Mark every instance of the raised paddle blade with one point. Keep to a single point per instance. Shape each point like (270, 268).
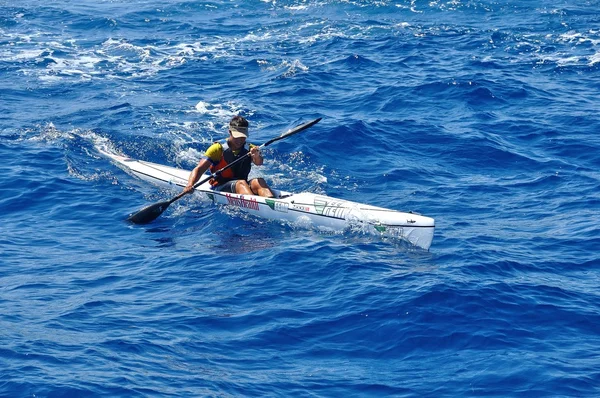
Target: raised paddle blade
(149, 213)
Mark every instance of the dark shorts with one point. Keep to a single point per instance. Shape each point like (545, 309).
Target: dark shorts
(229, 187)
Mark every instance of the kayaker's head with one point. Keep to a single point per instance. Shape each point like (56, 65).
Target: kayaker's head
(238, 131)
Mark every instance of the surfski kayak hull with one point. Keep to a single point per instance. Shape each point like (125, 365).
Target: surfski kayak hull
(298, 208)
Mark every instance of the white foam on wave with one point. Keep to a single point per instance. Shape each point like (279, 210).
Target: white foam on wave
(24, 55)
(47, 133)
(289, 68)
(574, 48)
(569, 49)
(197, 51)
(189, 156)
(222, 113)
(294, 172)
(72, 59)
(87, 141)
(219, 111)
(124, 48)
(81, 147)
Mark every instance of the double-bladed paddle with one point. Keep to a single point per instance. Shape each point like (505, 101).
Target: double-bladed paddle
(152, 212)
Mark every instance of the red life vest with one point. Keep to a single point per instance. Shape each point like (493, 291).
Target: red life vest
(238, 171)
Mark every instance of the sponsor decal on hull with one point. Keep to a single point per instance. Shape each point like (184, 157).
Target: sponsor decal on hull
(334, 208)
(390, 231)
(277, 205)
(303, 208)
(251, 203)
(320, 205)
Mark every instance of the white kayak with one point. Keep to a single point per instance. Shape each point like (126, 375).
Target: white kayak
(297, 208)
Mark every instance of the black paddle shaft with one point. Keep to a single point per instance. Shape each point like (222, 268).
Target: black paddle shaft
(152, 212)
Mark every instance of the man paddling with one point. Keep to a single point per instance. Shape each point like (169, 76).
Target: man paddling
(235, 178)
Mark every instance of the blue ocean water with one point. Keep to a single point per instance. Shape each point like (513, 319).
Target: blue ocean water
(481, 114)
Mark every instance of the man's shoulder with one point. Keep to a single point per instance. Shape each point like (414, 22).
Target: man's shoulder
(215, 151)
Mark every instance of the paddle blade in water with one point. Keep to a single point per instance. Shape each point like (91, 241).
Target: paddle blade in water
(149, 213)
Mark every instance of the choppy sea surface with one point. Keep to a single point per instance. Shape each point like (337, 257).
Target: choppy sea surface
(480, 114)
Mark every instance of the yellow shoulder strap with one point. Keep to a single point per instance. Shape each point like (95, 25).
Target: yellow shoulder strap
(214, 152)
